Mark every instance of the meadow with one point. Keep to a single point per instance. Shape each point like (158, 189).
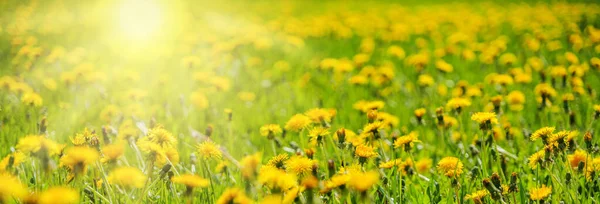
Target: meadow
(150, 101)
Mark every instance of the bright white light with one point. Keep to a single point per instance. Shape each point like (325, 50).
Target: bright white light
(140, 19)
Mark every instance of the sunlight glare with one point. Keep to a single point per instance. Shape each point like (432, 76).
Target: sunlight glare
(140, 19)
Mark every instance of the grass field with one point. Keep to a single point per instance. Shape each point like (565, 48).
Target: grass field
(155, 101)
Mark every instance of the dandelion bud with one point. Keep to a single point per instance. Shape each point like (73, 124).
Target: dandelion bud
(229, 114)
(372, 115)
(43, 125)
(474, 172)
(419, 114)
(474, 150)
(494, 192)
(209, 130)
(331, 167)
(572, 120)
(440, 115)
(580, 166)
(496, 180)
(513, 183)
(315, 166)
(165, 169)
(568, 178)
(496, 101)
(341, 134)
(587, 137)
(105, 135)
(310, 182)
(309, 152)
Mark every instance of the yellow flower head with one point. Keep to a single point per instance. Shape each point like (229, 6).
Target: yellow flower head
(423, 165)
(545, 89)
(450, 167)
(11, 188)
(59, 194)
(485, 117)
(77, 158)
(536, 159)
(275, 178)
(112, 152)
(299, 165)
(320, 115)
(363, 181)
(278, 161)
(38, 143)
(515, 99)
(127, 177)
(316, 134)
(270, 130)
(580, 156)
(365, 151)
(191, 181)
(406, 141)
(32, 99)
(209, 150)
(12, 160)
(543, 133)
(390, 164)
(477, 196)
(234, 195)
(458, 103)
(420, 112)
(249, 164)
(298, 122)
(540, 193)
(162, 137)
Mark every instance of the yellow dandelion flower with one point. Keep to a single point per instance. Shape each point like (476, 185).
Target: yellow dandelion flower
(545, 90)
(542, 133)
(423, 165)
(485, 117)
(477, 196)
(249, 165)
(162, 137)
(458, 103)
(450, 167)
(278, 161)
(299, 165)
(363, 181)
(209, 150)
(275, 178)
(536, 159)
(37, 143)
(59, 194)
(515, 99)
(365, 151)
(579, 156)
(32, 99)
(11, 188)
(191, 181)
(540, 193)
(425, 80)
(317, 134)
(12, 160)
(127, 177)
(298, 122)
(78, 158)
(112, 152)
(319, 115)
(406, 141)
(390, 164)
(233, 195)
(270, 130)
